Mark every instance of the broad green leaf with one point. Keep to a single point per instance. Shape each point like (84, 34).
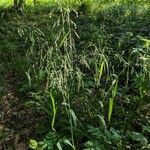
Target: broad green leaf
(147, 129)
(89, 144)
(146, 147)
(33, 144)
(136, 136)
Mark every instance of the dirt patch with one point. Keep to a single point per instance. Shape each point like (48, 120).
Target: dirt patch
(17, 122)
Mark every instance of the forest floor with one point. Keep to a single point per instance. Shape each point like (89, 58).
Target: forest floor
(16, 122)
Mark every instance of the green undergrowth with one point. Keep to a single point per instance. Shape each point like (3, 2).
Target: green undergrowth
(87, 66)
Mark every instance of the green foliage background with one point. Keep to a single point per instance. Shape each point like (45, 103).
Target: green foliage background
(85, 65)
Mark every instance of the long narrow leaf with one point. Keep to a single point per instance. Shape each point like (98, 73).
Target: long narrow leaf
(54, 111)
(101, 69)
(111, 102)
